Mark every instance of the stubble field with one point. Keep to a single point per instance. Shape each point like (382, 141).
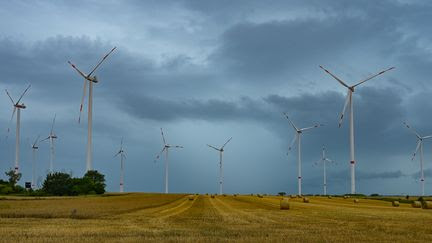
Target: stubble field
(139, 217)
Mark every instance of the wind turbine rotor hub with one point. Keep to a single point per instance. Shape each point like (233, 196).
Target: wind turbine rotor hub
(22, 106)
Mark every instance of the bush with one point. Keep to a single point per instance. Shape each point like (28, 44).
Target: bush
(63, 184)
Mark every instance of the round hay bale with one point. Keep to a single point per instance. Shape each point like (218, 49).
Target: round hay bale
(345, 197)
(356, 200)
(293, 196)
(212, 196)
(259, 195)
(416, 204)
(224, 195)
(299, 196)
(395, 203)
(284, 204)
(191, 197)
(306, 200)
(329, 197)
(427, 204)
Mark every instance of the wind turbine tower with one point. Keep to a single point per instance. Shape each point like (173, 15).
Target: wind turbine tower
(122, 154)
(165, 149)
(17, 108)
(51, 138)
(349, 101)
(221, 150)
(34, 146)
(324, 160)
(90, 80)
(297, 137)
(419, 148)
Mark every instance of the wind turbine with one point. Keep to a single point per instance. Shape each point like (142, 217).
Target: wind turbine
(419, 147)
(297, 138)
(17, 108)
(90, 79)
(165, 148)
(349, 101)
(122, 154)
(51, 138)
(221, 150)
(323, 160)
(34, 146)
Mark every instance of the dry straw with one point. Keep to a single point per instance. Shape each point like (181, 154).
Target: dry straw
(212, 196)
(427, 204)
(416, 204)
(293, 196)
(284, 204)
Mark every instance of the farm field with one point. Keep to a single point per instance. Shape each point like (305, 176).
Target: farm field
(146, 217)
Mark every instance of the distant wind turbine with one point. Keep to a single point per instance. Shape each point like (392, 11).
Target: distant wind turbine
(122, 154)
(221, 150)
(297, 138)
(349, 101)
(420, 140)
(323, 160)
(165, 148)
(90, 79)
(34, 146)
(17, 108)
(51, 138)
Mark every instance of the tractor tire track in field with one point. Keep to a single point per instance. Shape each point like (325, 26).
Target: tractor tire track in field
(236, 211)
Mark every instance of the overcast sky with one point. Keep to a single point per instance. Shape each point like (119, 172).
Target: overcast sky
(209, 70)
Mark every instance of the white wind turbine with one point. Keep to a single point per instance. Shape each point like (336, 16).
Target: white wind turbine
(122, 154)
(349, 100)
(297, 138)
(165, 148)
(51, 138)
(90, 79)
(221, 150)
(34, 146)
(420, 140)
(17, 108)
(324, 160)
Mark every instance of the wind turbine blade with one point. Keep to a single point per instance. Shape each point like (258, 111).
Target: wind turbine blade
(22, 95)
(412, 129)
(124, 154)
(82, 100)
(103, 59)
(226, 142)
(329, 160)
(347, 100)
(178, 146)
(308, 128)
(45, 139)
(295, 128)
(12, 117)
(416, 150)
(426, 137)
(36, 141)
(121, 144)
(292, 142)
(81, 73)
(163, 137)
(13, 103)
(159, 154)
(338, 79)
(115, 155)
(213, 147)
(52, 126)
(373, 76)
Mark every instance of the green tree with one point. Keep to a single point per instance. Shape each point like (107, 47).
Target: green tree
(96, 181)
(58, 183)
(13, 177)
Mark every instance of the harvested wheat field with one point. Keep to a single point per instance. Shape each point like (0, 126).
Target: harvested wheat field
(178, 217)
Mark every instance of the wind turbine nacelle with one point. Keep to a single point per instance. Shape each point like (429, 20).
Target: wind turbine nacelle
(22, 106)
(53, 136)
(95, 79)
